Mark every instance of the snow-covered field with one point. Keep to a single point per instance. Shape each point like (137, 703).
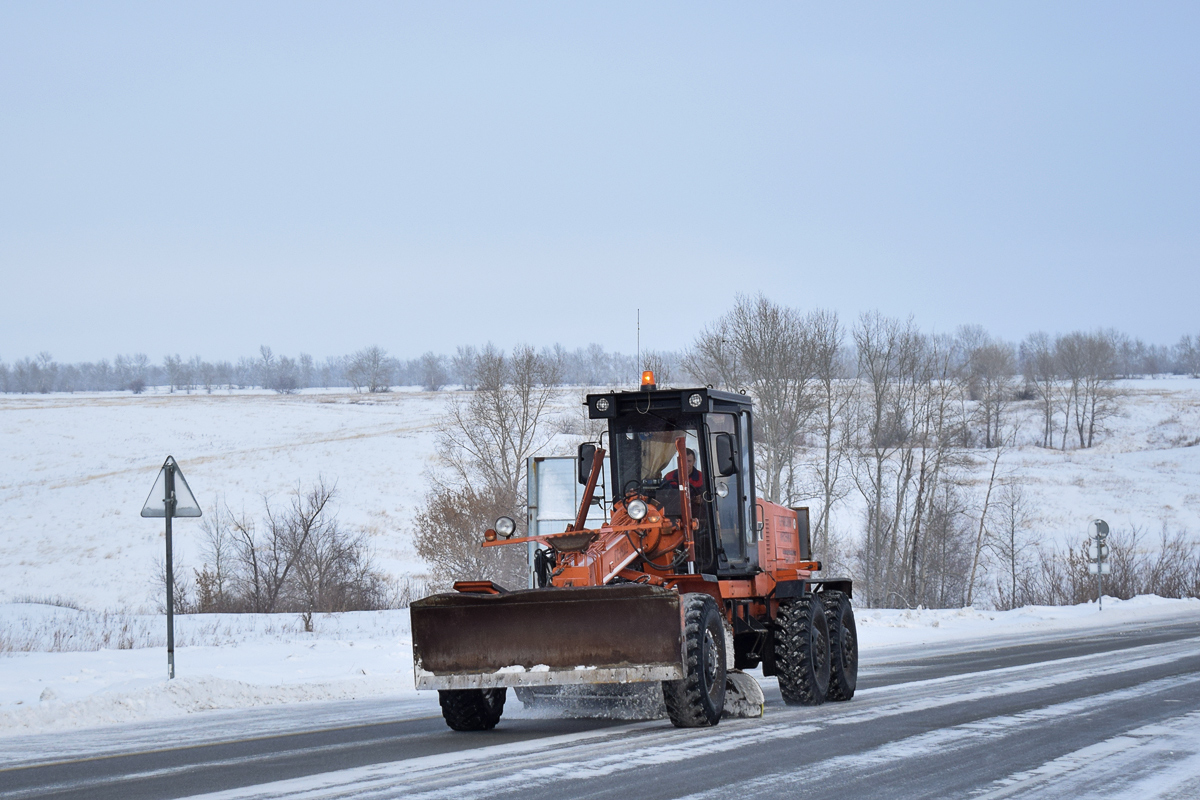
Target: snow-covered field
(241, 661)
(76, 469)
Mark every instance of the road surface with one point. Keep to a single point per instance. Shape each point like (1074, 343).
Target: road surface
(1114, 714)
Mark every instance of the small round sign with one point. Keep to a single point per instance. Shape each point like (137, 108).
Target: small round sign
(1100, 529)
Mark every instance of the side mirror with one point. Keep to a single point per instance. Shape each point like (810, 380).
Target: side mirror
(587, 454)
(726, 455)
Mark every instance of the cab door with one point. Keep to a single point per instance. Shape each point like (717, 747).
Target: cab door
(728, 497)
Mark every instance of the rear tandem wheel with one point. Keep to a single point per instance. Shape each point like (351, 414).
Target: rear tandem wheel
(802, 651)
(843, 646)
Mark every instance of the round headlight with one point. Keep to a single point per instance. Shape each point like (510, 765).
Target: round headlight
(695, 400)
(637, 509)
(505, 527)
(602, 404)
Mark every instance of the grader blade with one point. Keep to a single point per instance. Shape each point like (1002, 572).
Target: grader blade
(546, 637)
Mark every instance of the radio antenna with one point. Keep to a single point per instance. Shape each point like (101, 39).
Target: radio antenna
(639, 340)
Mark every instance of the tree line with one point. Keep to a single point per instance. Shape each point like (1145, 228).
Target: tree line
(372, 369)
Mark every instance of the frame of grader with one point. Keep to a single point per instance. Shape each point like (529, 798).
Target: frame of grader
(690, 580)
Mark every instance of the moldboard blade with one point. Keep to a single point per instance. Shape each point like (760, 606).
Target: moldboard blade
(599, 634)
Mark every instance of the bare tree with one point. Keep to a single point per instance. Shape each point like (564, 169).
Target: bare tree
(214, 580)
(370, 369)
(334, 571)
(833, 392)
(433, 372)
(265, 367)
(713, 357)
(487, 437)
(1010, 542)
(285, 378)
(1187, 355)
(485, 441)
(904, 422)
(883, 345)
(1088, 363)
(266, 559)
(764, 348)
(173, 365)
(463, 365)
(1040, 368)
(991, 366)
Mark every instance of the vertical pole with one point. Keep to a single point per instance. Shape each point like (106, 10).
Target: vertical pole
(531, 511)
(1100, 572)
(169, 504)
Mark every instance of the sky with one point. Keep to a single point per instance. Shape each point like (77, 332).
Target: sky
(206, 178)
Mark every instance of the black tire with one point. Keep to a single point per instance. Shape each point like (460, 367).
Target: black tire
(698, 700)
(472, 709)
(802, 652)
(843, 646)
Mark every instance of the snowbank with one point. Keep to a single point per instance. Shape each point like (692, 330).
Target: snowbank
(880, 629)
(221, 661)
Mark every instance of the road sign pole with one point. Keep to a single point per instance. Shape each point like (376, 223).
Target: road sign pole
(1100, 572)
(169, 509)
(171, 497)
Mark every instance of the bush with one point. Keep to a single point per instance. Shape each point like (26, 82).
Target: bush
(1172, 569)
(294, 559)
(449, 533)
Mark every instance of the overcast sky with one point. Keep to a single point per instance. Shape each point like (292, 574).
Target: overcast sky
(203, 178)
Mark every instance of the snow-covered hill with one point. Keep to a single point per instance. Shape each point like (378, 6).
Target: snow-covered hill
(76, 469)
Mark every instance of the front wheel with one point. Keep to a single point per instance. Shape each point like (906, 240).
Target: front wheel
(472, 709)
(698, 700)
(802, 652)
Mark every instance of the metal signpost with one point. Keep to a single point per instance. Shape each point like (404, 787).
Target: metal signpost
(170, 497)
(1098, 557)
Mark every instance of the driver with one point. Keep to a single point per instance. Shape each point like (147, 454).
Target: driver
(695, 479)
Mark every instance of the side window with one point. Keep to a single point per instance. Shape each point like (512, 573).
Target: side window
(747, 468)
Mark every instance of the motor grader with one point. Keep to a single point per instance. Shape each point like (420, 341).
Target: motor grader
(690, 579)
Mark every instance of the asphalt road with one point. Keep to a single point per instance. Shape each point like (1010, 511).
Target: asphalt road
(1103, 715)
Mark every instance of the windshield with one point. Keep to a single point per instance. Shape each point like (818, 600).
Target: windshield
(647, 456)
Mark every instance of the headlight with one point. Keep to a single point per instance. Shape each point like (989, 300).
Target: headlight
(695, 400)
(637, 510)
(505, 527)
(602, 404)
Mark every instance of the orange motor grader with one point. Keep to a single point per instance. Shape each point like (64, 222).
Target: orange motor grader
(691, 578)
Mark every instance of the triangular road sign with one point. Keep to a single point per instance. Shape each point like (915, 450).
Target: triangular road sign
(185, 501)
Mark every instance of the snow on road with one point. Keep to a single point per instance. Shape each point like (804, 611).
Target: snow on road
(1161, 760)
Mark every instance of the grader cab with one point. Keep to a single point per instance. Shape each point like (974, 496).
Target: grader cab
(690, 579)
